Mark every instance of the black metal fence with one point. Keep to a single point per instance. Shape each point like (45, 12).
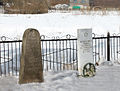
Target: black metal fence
(57, 54)
(10, 57)
(106, 47)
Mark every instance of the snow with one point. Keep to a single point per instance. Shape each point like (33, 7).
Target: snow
(56, 24)
(107, 79)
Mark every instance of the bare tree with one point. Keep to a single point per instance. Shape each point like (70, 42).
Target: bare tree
(28, 6)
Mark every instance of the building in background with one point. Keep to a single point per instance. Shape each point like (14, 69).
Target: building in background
(79, 2)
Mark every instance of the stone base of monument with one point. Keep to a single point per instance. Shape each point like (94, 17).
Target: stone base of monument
(30, 81)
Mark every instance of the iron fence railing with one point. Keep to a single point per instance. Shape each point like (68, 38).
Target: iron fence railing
(57, 54)
(10, 57)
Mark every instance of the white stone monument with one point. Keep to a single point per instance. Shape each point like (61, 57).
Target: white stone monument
(85, 51)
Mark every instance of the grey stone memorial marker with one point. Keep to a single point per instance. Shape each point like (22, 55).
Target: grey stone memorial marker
(31, 69)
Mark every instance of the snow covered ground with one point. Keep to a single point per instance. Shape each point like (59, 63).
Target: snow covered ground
(53, 24)
(107, 79)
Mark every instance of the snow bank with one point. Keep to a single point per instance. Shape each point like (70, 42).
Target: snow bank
(106, 79)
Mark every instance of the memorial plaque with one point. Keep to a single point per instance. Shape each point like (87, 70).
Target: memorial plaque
(85, 52)
(31, 69)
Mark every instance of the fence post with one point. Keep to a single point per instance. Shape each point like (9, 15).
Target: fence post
(108, 46)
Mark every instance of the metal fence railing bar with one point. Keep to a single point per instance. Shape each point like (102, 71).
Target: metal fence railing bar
(57, 54)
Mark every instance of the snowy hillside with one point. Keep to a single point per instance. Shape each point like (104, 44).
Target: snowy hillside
(58, 23)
